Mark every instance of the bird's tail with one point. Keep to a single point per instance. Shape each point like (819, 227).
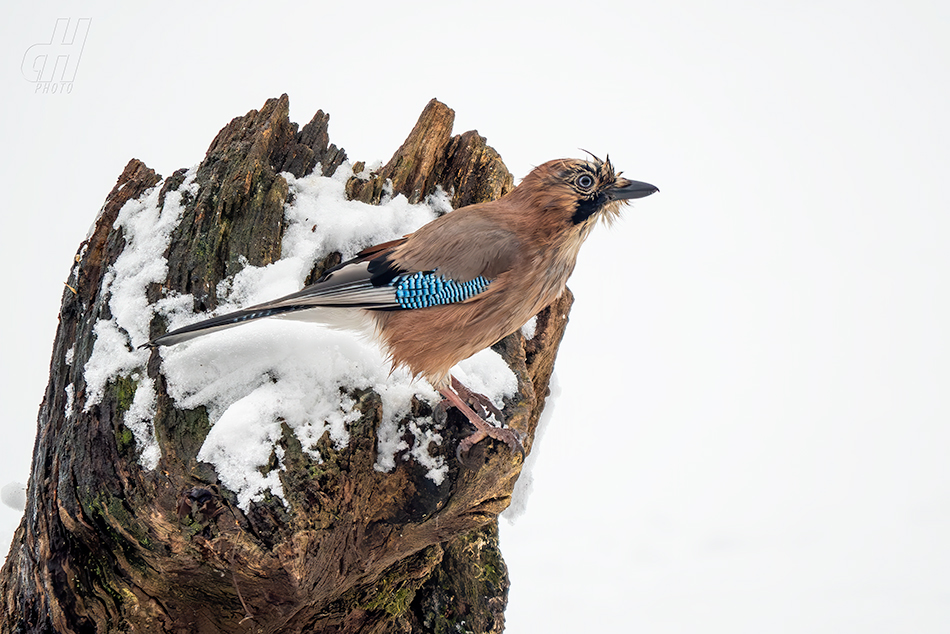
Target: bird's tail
(221, 322)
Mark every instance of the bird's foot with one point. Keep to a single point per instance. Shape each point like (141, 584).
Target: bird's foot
(480, 403)
(506, 435)
(483, 429)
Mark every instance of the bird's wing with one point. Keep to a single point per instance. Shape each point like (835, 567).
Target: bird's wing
(442, 263)
(387, 277)
(461, 245)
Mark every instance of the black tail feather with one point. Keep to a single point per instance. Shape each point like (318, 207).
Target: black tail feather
(219, 323)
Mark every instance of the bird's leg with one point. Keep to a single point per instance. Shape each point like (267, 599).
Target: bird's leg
(483, 428)
(479, 402)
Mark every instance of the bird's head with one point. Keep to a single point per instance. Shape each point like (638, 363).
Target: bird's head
(579, 192)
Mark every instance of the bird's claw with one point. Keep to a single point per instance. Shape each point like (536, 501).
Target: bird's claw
(478, 402)
(460, 398)
(506, 435)
(483, 405)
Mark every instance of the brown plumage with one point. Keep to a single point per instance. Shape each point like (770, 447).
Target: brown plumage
(519, 251)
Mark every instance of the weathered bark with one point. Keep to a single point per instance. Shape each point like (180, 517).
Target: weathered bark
(106, 545)
(464, 165)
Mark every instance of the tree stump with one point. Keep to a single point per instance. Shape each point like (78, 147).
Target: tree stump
(110, 542)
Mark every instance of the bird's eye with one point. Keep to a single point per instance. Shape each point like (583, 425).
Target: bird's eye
(584, 181)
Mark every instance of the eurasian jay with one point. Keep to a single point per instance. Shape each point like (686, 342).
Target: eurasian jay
(463, 281)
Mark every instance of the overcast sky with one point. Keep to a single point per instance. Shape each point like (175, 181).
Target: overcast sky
(752, 433)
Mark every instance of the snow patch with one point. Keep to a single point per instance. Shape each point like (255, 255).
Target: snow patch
(530, 328)
(487, 373)
(425, 436)
(147, 229)
(70, 401)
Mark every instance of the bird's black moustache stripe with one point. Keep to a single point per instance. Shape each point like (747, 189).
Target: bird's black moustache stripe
(587, 207)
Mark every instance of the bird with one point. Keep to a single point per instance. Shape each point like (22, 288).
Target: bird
(460, 283)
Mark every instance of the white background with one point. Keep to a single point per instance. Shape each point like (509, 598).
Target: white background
(753, 428)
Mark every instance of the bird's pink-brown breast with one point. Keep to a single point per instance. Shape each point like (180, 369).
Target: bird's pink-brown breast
(517, 243)
(432, 340)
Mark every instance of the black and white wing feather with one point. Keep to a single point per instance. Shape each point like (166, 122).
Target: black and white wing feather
(349, 285)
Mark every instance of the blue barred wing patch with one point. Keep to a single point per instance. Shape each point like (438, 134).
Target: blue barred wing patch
(428, 288)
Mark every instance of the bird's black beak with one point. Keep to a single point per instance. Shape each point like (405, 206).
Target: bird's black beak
(625, 189)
